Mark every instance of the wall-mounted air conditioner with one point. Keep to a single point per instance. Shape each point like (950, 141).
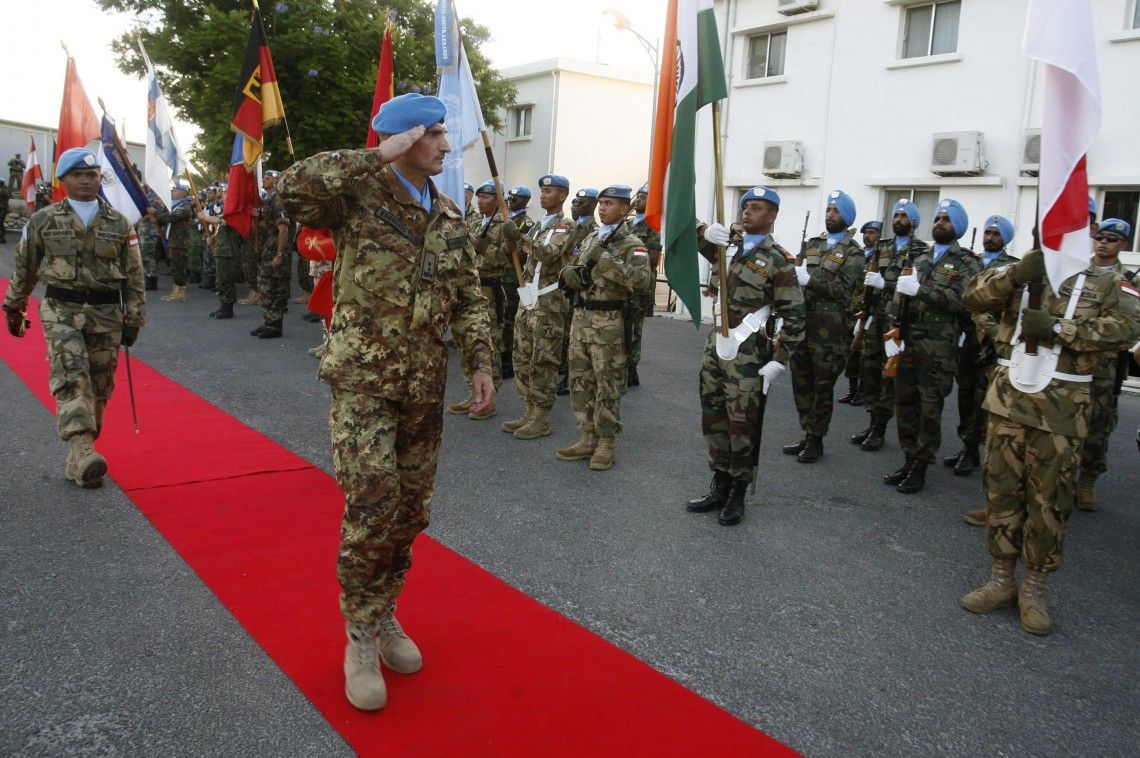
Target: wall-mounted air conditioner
(957, 154)
(783, 160)
(792, 7)
(1031, 152)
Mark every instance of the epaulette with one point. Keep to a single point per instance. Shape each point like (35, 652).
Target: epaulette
(787, 256)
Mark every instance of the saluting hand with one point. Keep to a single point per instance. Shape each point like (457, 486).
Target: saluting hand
(398, 144)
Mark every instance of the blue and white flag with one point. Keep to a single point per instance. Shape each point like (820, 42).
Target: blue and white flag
(164, 161)
(464, 119)
(121, 185)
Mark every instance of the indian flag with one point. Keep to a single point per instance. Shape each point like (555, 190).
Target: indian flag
(692, 76)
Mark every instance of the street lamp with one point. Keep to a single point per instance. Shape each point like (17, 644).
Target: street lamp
(621, 23)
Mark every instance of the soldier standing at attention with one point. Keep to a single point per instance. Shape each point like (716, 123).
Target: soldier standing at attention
(472, 208)
(872, 231)
(88, 256)
(539, 329)
(151, 231)
(612, 266)
(491, 241)
(879, 390)
(404, 273)
(929, 344)
(643, 304)
(276, 260)
(582, 211)
(827, 272)
(1033, 439)
(517, 200)
(761, 275)
(16, 168)
(181, 218)
(227, 259)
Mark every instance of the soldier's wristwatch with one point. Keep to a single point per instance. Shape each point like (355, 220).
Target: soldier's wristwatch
(1057, 328)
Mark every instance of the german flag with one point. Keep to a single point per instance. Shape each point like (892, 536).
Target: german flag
(257, 103)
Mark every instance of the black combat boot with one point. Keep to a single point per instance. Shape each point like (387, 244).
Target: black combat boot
(915, 480)
(272, 330)
(257, 331)
(798, 447)
(852, 391)
(952, 460)
(225, 310)
(718, 494)
(876, 438)
(151, 282)
(967, 461)
(563, 384)
(207, 283)
(858, 399)
(857, 439)
(733, 511)
(631, 377)
(896, 477)
(812, 450)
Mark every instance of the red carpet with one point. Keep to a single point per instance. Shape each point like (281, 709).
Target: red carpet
(503, 674)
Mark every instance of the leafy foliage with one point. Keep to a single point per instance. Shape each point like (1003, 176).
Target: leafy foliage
(325, 53)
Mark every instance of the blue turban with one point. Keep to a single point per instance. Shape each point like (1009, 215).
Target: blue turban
(520, 191)
(407, 111)
(554, 180)
(617, 192)
(911, 211)
(1116, 226)
(760, 193)
(587, 192)
(644, 190)
(1003, 225)
(76, 157)
(872, 225)
(488, 188)
(844, 204)
(957, 214)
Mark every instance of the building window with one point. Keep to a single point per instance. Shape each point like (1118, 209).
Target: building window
(766, 55)
(931, 29)
(520, 121)
(1124, 205)
(925, 199)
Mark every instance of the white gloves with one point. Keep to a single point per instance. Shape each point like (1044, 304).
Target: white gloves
(717, 234)
(961, 339)
(874, 280)
(893, 347)
(802, 275)
(771, 371)
(908, 285)
(858, 327)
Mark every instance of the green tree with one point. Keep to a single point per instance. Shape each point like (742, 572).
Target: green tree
(325, 52)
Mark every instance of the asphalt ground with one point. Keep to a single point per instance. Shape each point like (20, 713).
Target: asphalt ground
(829, 619)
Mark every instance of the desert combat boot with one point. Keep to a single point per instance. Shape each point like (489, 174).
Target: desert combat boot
(583, 448)
(513, 424)
(396, 648)
(85, 467)
(1000, 591)
(603, 457)
(463, 407)
(1031, 603)
(363, 683)
(537, 426)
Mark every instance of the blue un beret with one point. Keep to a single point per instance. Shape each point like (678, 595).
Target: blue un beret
(844, 204)
(407, 111)
(554, 180)
(911, 211)
(467, 187)
(520, 191)
(617, 192)
(1003, 225)
(587, 192)
(1116, 226)
(76, 157)
(488, 188)
(760, 193)
(957, 214)
(875, 225)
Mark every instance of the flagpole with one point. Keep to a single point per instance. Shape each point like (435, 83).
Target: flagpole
(284, 119)
(718, 194)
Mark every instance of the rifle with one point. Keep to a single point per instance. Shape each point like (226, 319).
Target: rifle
(864, 315)
(803, 240)
(773, 343)
(891, 367)
(973, 238)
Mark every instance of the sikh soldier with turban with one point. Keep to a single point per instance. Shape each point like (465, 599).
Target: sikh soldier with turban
(872, 232)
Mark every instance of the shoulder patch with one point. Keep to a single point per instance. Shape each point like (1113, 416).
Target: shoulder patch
(757, 267)
(1129, 288)
(133, 239)
(639, 251)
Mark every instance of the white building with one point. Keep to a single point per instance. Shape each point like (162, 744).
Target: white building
(853, 93)
(591, 123)
(16, 137)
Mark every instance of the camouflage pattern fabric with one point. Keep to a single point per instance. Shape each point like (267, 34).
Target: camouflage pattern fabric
(249, 258)
(510, 289)
(82, 340)
(178, 240)
(597, 356)
(590, 225)
(732, 392)
(818, 360)
(196, 249)
(853, 368)
(274, 282)
(644, 301)
(150, 229)
(227, 253)
(926, 370)
(491, 257)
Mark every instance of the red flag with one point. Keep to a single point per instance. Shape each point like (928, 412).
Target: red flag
(78, 123)
(384, 90)
(316, 244)
(321, 298)
(32, 174)
(258, 100)
(241, 192)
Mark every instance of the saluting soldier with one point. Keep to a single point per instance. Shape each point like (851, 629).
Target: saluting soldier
(178, 242)
(872, 232)
(761, 275)
(893, 254)
(88, 256)
(827, 272)
(611, 267)
(1037, 422)
(643, 305)
(276, 260)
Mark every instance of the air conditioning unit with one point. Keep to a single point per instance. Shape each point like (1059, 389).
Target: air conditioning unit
(783, 160)
(1031, 152)
(792, 7)
(957, 154)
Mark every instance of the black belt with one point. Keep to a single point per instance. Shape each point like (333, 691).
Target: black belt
(84, 297)
(602, 305)
(489, 281)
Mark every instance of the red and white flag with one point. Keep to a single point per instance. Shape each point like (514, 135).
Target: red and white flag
(32, 174)
(1059, 34)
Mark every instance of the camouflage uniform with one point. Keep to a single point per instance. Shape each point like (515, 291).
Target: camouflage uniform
(402, 276)
(818, 360)
(927, 365)
(591, 225)
(196, 249)
(853, 368)
(274, 282)
(100, 261)
(178, 241)
(1033, 439)
(228, 244)
(511, 294)
(643, 304)
(732, 392)
(597, 356)
(150, 231)
(249, 258)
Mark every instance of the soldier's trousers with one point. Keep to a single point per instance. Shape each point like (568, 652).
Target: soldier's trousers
(972, 385)
(732, 394)
(510, 316)
(597, 382)
(385, 454)
(496, 339)
(924, 380)
(194, 254)
(227, 271)
(538, 349)
(178, 264)
(304, 280)
(878, 391)
(1105, 415)
(815, 366)
(642, 309)
(1030, 478)
(149, 260)
(250, 261)
(274, 282)
(853, 367)
(209, 262)
(83, 351)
